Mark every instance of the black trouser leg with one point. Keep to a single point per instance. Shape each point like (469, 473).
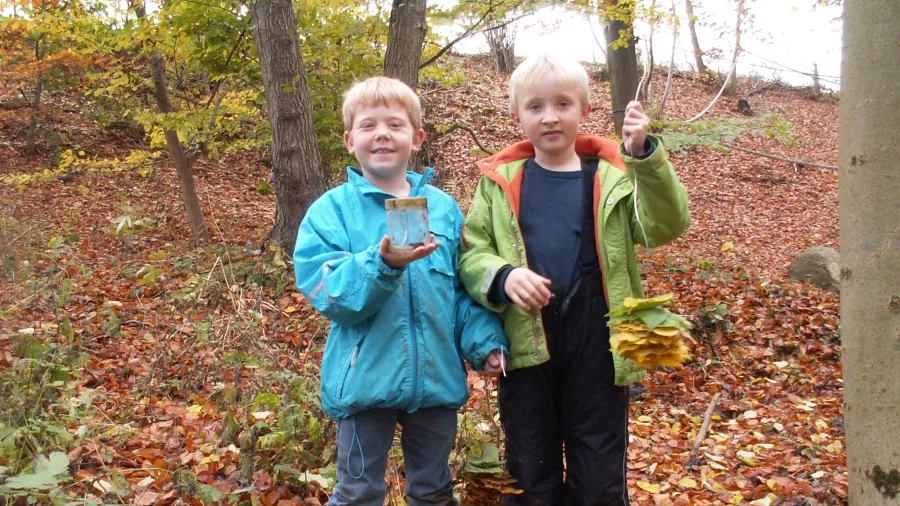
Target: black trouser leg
(594, 414)
(529, 413)
(570, 400)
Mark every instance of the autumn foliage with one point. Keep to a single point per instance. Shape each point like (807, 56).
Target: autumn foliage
(137, 369)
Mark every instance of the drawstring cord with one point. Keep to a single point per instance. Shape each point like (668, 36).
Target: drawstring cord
(362, 458)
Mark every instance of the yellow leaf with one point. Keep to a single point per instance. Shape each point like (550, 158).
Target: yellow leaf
(728, 246)
(653, 488)
(290, 309)
(644, 418)
(765, 501)
(687, 482)
(209, 458)
(194, 409)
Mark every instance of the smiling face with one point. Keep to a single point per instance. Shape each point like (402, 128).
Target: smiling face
(383, 139)
(550, 112)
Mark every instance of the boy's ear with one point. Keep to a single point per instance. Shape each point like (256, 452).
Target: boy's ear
(348, 141)
(515, 118)
(585, 112)
(418, 139)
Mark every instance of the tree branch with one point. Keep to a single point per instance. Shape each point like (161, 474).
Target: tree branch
(469, 32)
(701, 435)
(781, 158)
(714, 100)
(454, 41)
(467, 129)
(219, 81)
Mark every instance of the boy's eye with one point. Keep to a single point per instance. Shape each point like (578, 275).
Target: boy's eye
(564, 104)
(396, 124)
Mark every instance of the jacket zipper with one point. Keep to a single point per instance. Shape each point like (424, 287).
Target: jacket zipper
(601, 220)
(513, 222)
(412, 334)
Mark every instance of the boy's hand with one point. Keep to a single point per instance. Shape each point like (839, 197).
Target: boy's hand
(495, 364)
(634, 129)
(527, 289)
(396, 258)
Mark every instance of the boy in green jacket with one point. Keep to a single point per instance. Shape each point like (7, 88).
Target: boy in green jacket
(549, 245)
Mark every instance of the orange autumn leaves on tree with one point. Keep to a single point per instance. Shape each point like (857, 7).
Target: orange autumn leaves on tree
(37, 38)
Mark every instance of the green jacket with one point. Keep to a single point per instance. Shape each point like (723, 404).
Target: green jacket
(492, 238)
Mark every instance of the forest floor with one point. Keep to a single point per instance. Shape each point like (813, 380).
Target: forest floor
(174, 373)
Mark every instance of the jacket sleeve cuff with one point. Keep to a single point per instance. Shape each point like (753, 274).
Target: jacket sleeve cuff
(648, 149)
(385, 271)
(653, 159)
(497, 295)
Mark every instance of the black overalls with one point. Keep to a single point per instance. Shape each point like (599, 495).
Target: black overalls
(568, 409)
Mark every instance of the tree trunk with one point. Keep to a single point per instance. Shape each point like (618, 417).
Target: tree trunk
(502, 40)
(731, 87)
(300, 177)
(623, 76)
(661, 112)
(817, 87)
(406, 35)
(182, 164)
(31, 139)
(869, 238)
(698, 54)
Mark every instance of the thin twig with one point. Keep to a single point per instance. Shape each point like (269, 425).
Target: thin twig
(701, 435)
(721, 90)
(783, 159)
(467, 129)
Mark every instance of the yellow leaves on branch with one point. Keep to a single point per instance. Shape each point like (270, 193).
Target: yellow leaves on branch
(648, 334)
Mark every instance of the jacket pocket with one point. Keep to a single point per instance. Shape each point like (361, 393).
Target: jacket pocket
(349, 364)
(443, 258)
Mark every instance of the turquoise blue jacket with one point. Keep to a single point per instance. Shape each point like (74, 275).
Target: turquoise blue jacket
(398, 336)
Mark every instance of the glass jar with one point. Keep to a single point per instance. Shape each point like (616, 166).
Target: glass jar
(407, 222)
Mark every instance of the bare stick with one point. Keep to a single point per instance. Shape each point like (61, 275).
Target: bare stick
(722, 89)
(703, 428)
(783, 159)
(467, 129)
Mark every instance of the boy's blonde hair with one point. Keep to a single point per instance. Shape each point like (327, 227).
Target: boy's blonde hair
(381, 90)
(566, 69)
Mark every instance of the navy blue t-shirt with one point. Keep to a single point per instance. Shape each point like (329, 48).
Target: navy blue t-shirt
(550, 216)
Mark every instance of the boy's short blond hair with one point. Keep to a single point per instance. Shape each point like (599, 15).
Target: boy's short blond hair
(381, 90)
(566, 69)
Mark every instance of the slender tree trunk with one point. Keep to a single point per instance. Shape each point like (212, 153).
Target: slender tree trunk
(623, 74)
(182, 164)
(870, 249)
(300, 177)
(817, 87)
(31, 139)
(698, 54)
(406, 34)
(647, 92)
(661, 112)
(502, 40)
(731, 88)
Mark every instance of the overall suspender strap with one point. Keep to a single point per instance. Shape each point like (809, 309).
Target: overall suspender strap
(587, 281)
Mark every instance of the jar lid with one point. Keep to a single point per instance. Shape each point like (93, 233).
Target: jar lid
(406, 203)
